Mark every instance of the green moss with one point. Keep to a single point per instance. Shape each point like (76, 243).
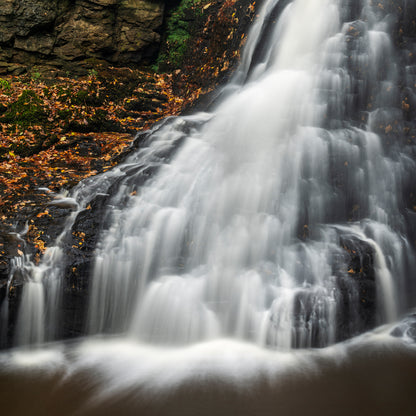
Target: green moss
(92, 73)
(26, 111)
(5, 86)
(178, 34)
(36, 75)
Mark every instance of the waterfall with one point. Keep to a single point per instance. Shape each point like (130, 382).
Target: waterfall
(257, 258)
(239, 234)
(280, 218)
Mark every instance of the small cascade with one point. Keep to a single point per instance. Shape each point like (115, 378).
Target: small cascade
(38, 316)
(16, 264)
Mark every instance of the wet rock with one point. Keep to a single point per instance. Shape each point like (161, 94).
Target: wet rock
(11, 283)
(356, 307)
(79, 249)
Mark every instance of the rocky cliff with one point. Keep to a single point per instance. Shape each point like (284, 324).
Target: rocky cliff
(63, 33)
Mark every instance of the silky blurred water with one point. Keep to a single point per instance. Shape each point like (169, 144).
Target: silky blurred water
(229, 242)
(237, 234)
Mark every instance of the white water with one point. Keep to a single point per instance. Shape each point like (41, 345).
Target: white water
(235, 235)
(240, 230)
(224, 377)
(242, 238)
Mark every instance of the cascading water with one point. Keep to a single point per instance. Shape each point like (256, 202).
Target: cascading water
(241, 231)
(283, 218)
(237, 234)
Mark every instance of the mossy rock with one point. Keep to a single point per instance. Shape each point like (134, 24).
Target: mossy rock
(26, 111)
(178, 33)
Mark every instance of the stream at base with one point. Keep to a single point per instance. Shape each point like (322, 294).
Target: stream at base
(374, 374)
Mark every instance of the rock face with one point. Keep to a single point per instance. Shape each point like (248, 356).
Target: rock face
(65, 32)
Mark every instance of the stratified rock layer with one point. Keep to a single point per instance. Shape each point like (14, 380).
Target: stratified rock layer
(63, 33)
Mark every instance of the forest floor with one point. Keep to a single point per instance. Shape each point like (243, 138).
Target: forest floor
(56, 131)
